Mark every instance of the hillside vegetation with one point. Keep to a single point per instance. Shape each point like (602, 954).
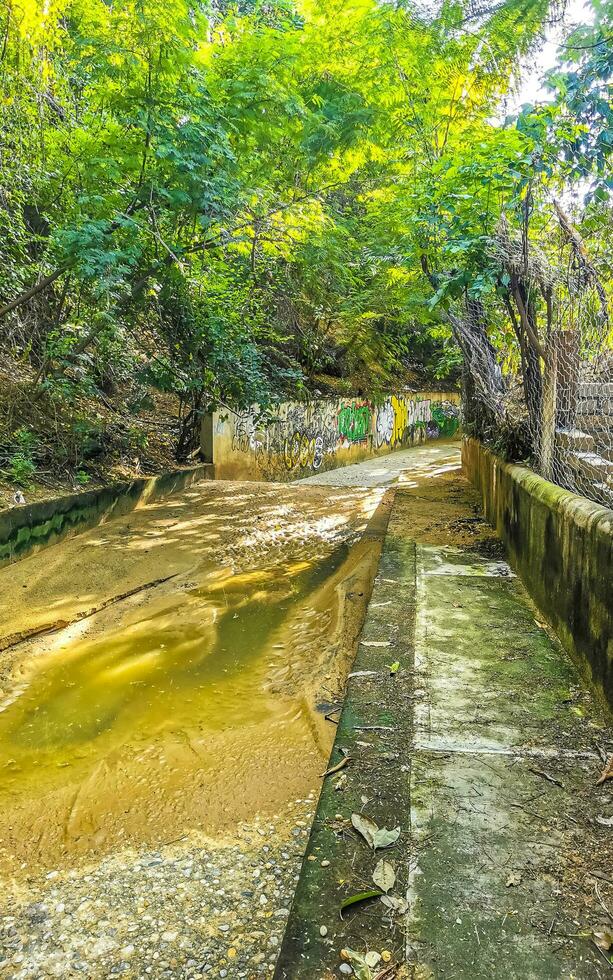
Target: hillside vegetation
(219, 205)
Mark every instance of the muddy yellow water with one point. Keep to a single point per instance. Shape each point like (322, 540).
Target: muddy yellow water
(172, 670)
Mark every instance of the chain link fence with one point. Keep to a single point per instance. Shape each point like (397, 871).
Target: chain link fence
(575, 438)
(543, 392)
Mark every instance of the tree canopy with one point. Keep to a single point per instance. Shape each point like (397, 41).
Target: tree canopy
(233, 204)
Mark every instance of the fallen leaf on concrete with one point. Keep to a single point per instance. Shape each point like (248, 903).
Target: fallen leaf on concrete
(358, 963)
(384, 876)
(360, 897)
(603, 937)
(385, 837)
(607, 772)
(375, 837)
(513, 879)
(337, 767)
(367, 828)
(394, 903)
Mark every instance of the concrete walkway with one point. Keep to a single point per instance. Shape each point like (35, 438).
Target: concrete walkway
(404, 468)
(483, 748)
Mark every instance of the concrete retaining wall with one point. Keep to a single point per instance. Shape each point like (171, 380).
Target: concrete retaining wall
(34, 526)
(562, 546)
(302, 438)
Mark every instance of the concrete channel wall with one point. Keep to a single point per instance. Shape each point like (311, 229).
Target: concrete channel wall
(300, 438)
(562, 546)
(34, 526)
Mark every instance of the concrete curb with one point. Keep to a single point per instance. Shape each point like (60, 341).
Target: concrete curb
(24, 530)
(562, 546)
(374, 730)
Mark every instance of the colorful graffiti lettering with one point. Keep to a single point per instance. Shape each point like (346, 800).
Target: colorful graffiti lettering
(301, 450)
(299, 437)
(302, 436)
(401, 419)
(384, 425)
(354, 422)
(445, 417)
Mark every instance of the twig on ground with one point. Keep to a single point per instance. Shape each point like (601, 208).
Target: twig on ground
(387, 972)
(373, 728)
(333, 711)
(597, 874)
(603, 954)
(545, 775)
(532, 813)
(599, 897)
(337, 767)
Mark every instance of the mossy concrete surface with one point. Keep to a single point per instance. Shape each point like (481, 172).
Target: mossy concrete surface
(484, 749)
(29, 528)
(562, 546)
(370, 734)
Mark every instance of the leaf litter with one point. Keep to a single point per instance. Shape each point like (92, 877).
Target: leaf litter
(384, 876)
(376, 837)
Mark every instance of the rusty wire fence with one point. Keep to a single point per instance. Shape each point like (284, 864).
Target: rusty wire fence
(575, 439)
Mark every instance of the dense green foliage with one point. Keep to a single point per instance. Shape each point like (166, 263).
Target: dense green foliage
(235, 205)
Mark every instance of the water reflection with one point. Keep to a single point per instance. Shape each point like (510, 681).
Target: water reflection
(208, 657)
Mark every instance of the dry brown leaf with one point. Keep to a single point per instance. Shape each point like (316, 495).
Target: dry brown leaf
(395, 903)
(607, 772)
(603, 937)
(384, 876)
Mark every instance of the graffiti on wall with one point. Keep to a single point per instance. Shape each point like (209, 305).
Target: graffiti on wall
(400, 418)
(384, 425)
(298, 438)
(446, 418)
(305, 437)
(353, 422)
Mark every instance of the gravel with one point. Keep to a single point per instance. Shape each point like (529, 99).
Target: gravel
(190, 909)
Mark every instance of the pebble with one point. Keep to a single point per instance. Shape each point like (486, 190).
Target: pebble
(166, 915)
(323, 931)
(346, 969)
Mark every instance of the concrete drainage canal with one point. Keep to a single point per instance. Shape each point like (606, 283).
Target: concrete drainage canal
(169, 687)
(168, 692)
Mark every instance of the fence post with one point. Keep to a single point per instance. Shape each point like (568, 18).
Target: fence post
(549, 410)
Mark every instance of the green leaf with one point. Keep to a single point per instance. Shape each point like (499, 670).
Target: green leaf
(360, 897)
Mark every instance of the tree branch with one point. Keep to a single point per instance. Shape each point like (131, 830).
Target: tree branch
(38, 287)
